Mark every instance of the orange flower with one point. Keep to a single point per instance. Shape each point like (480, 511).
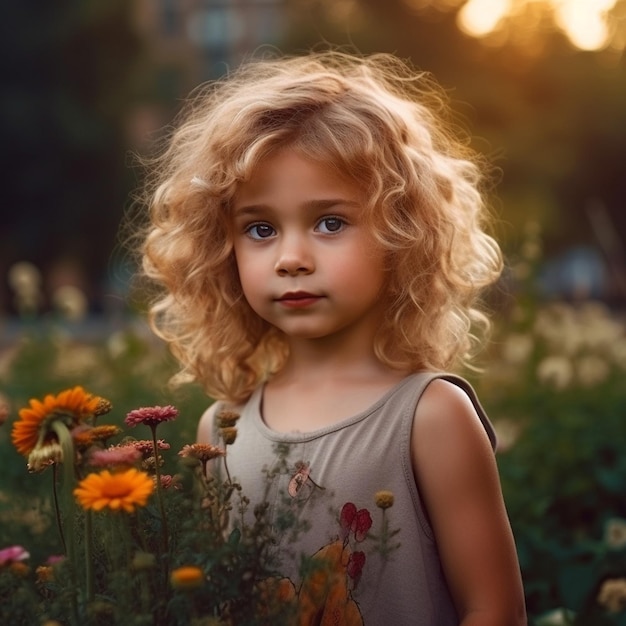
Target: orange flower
(122, 490)
(187, 577)
(72, 406)
(85, 436)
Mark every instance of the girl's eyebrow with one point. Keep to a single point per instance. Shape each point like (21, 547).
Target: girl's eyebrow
(310, 205)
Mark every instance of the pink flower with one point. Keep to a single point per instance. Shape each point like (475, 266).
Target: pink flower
(151, 416)
(146, 447)
(13, 554)
(54, 559)
(167, 481)
(357, 521)
(119, 455)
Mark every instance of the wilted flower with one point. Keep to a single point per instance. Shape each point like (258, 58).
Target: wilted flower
(122, 490)
(226, 418)
(229, 435)
(72, 407)
(44, 456)
(151, 416)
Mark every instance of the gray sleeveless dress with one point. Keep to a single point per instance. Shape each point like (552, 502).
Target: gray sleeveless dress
(346, 493)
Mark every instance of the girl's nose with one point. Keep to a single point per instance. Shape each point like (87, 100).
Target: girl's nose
(294, 259)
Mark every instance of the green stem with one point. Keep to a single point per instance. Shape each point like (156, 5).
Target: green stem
(230, 480)
(89, 573)
(57, 508)
(159, 487)
(65, 441)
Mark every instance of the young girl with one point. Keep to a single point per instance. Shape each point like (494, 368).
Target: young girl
(318, 234)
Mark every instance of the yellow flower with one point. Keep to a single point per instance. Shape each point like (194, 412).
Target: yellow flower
(187, 577)
(384, 499)
(122, 490)
(74, 405)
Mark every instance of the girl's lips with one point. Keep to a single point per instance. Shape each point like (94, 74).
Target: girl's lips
(298, 299)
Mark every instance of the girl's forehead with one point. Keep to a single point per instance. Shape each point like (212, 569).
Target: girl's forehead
(289, 176)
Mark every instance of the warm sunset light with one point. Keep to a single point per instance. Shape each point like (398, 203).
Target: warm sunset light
(480, 17)
(584, 22)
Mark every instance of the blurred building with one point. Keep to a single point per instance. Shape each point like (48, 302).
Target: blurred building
(191, 41)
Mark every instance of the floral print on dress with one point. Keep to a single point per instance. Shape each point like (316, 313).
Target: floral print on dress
(330, 576)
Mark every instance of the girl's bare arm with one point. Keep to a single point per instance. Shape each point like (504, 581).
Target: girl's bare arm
(458, 479)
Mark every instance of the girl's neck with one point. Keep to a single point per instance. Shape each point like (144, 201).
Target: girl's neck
(318, 388)
(326, 359)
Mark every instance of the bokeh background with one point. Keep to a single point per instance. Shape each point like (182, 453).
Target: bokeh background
(89, 85)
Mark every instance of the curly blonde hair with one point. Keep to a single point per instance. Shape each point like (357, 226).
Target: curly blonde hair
(388, 129)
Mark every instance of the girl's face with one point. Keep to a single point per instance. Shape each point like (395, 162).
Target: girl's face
(307, 263)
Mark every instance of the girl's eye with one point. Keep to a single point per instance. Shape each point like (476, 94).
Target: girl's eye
(330, 225)
(260, 231)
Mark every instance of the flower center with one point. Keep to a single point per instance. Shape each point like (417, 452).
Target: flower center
(115, 490)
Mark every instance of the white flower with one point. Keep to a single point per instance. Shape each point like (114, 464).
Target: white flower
(531, 250)
(617, 352)
(557, 617)
(24, 277)
(612, 595)
(507, 431)
(592, 370)
(517, 348)
(557, 325)
(555, 371)
(71, 302)
(615, 533)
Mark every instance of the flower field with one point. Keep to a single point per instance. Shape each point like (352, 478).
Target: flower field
(133, 530)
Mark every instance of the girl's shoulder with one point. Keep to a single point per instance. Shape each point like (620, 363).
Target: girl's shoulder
(448, 402)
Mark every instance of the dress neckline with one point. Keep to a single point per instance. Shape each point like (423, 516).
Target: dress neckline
(256, 402)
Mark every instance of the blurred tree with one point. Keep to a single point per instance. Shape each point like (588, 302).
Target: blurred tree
(551, 116)
(66, 69)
